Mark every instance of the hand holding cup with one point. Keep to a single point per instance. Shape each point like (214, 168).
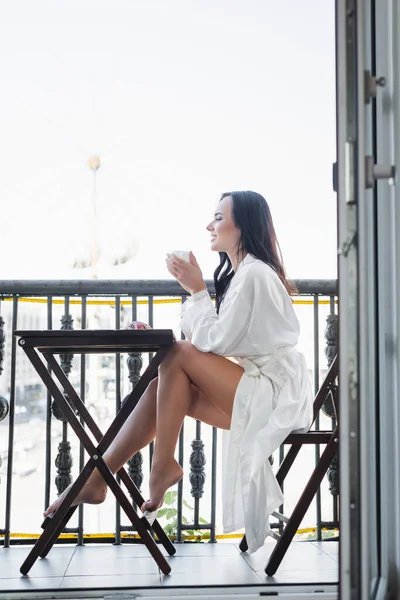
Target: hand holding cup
(186, 271)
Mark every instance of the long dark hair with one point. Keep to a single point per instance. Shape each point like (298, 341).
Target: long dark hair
(252, 216)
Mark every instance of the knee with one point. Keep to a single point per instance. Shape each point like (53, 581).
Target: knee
(178, 354)
(152, 387)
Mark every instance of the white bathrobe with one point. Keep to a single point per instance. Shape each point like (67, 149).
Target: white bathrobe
(258, 327)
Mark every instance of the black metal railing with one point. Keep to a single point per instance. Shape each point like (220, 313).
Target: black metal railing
(27, 410)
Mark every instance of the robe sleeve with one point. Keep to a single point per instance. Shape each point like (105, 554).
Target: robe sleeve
(223, 333)
(251, 318)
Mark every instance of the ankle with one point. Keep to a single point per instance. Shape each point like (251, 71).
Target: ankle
(162, 463)
(95, 481)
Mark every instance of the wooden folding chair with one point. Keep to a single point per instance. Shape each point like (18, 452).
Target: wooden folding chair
(296, 440)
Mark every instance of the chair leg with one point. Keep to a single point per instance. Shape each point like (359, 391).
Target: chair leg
(280, 476)
(302, 506)
(287, 464)
(243, 544)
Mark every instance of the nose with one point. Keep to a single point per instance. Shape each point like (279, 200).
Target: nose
(210, 227)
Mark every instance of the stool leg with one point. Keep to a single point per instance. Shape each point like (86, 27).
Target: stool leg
(119, 420)
(155, 552)
(45, 543)
(33, 555)
(133, 516)
(164, 539)
(57, 531)
(54, 526)
(302, 506)
(136, 495)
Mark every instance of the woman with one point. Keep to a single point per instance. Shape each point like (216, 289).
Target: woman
(259, 397)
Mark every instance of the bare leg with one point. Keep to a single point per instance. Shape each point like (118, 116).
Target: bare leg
(215, 377)
(137, 432)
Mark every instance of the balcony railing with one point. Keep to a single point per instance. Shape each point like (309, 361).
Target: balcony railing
(32, 430)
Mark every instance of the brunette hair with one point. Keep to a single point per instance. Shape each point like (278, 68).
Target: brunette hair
(252, 216)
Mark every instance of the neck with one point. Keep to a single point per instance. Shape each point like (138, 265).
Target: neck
(235, 260)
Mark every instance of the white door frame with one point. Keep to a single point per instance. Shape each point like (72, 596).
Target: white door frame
(369, 277)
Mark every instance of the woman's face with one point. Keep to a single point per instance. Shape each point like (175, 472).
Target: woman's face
(224, 233)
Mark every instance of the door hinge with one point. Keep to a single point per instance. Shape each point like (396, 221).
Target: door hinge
(349, 172)
(373, 172)
(371, 84)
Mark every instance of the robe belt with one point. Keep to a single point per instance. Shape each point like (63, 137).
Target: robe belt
(265, 367)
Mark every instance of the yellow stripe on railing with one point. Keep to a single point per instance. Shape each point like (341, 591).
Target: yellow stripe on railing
(129, 302)
(93, 536)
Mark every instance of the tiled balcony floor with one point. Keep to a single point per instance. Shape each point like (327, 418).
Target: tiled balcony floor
(201, 569)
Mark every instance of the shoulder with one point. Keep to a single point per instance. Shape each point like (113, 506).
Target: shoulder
(262, 277)
(254, 268)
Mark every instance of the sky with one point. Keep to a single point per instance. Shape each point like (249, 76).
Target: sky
(182, 101)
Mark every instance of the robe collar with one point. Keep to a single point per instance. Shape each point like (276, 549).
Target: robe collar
(249, 258)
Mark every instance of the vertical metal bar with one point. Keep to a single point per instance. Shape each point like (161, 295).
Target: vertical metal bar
(316, 343)
(151, 318)
(332, 304)
(151, 323)
(11, 430)
(151, 311)
(135, 463)
(180, 460)
(197, 500)
(316, 387)
(48, 418)
(117, 408)
(134, 308)
(180, 486)
(82, 395)
(213, 484)
(64, 423)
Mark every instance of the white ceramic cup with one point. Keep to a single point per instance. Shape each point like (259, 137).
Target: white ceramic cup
(184, 254)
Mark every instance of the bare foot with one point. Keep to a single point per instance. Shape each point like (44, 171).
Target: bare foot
(162, 478)
(93, 492)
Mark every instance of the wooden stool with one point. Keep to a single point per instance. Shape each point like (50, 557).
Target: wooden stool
(49, 343)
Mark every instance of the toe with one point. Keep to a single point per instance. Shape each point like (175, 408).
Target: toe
(145, 506)
(50, 510)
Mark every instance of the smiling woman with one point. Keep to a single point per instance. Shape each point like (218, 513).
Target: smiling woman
(259, 399)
